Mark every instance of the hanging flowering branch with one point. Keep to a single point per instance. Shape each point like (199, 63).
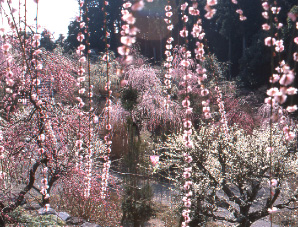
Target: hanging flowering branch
(270, 42)
(9, 79)
(281, 79)
(80, 80)
(108, 126)
(239, 11)
(168, 53)
(293, 17)
(187, 123)
(283, 76)
(89, 155)
(210, 12)
(199, 34)
(128, 31)
(39, 104)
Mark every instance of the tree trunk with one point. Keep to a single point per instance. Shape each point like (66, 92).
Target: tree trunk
(244, 211)
(136, 222)
(230, 55)
(123, 218)
(2, 222)
(245, 223)
(5, 210)
(160, 48)
(243, 45)
(180, 221)
(154, 54)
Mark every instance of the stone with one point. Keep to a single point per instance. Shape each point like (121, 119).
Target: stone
(43, 211)
(154, 222)
(88, 224)
(47, 220)
(75, 221)
(63, 215)
(32, 206)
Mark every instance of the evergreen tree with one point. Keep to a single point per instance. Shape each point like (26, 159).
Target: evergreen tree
(96, 25)
(46, 41)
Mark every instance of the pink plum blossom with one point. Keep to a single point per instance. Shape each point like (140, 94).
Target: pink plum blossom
(154, 159)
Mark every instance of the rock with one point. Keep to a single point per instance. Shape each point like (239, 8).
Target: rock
(154, 222)
(263, 222)
(43, 211)
(63, 215)
(32, 206)
(45, 220)
(75, 221)
(88, 224)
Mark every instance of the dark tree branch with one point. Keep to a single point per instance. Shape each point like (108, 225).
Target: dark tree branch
(254, 216)
(224, 204)
(28, 187)
(219, 218)
(254, 192)
(225, 188)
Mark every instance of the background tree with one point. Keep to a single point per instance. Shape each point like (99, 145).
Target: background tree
(96, 31)
(60, 41)
(46, 41)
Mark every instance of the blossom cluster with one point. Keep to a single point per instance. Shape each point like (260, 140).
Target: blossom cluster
(37, 64)
(9, 77)
(285, 77)
(209, 10)
(129, 30)
(1, 152)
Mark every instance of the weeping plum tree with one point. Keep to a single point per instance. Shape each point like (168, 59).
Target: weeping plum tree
(39, 121)
(143, 106)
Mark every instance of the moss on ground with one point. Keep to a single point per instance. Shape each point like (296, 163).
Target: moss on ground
(28, 219)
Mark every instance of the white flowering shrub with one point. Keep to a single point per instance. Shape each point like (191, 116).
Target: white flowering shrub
(231, 173)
